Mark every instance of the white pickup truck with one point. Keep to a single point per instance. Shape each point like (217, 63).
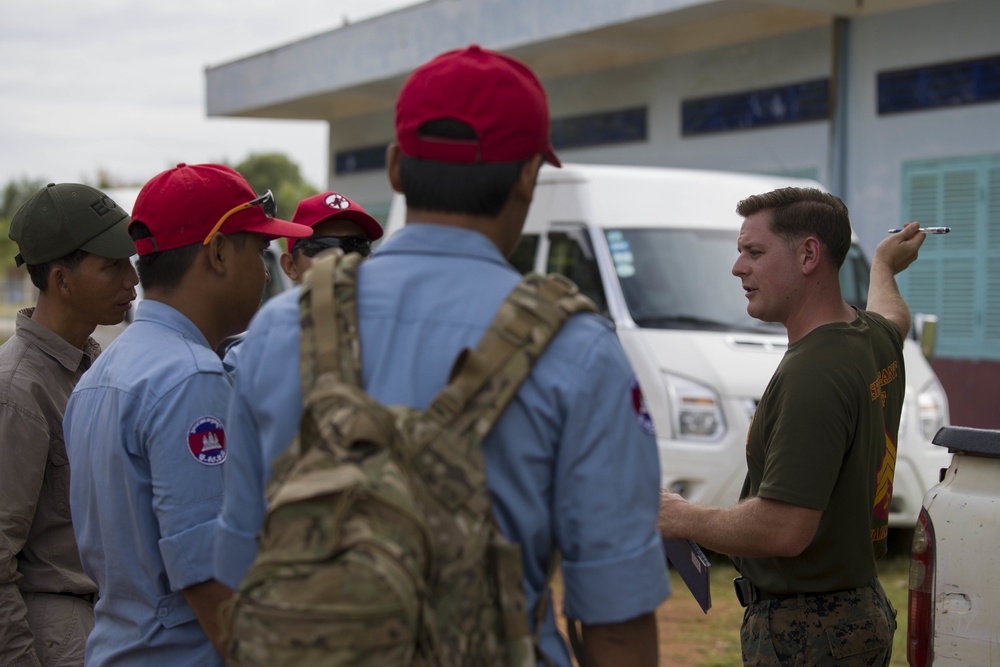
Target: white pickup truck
(954, 600)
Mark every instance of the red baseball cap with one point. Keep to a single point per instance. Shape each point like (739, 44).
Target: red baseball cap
(333, 206)
(498, 96)
(183, 205)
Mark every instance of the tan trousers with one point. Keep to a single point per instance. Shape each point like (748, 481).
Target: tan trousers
(61, 624)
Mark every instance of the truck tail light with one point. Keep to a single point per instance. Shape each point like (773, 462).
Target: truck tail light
(920, 606)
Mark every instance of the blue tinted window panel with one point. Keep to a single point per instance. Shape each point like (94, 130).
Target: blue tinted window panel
(360, 159)
(932, 87)
(793, 103)
(612, 127)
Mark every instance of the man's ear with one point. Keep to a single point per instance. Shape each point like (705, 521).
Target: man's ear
(393, 156)
(218, 252)
(525, 184)
(59, 280)
(288, 266)
(810, 254)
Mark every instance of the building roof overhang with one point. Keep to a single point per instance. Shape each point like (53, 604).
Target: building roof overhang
(358, 69)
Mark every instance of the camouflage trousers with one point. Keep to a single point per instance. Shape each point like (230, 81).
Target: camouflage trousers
(844, 629)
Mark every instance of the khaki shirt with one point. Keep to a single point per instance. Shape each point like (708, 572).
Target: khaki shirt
(38, 552)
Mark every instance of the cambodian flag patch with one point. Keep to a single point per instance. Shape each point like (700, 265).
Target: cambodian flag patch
(639, 405)
(207, 441)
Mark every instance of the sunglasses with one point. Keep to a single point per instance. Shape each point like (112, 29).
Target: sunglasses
(314, 245)
(265, 201)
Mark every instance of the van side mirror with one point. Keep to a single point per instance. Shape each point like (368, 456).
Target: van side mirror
(925, 327)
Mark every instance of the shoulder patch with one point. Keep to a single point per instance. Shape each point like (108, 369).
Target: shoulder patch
(639, 406)
(206, 440)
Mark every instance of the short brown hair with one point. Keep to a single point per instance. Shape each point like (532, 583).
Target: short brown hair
(799, 212)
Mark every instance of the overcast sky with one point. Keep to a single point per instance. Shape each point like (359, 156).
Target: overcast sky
(119, 85)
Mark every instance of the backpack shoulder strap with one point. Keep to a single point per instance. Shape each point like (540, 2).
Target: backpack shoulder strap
(482, 383)
(328, 317)
(524, 325)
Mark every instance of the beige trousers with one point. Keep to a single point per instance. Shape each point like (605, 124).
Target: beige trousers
(61, 624)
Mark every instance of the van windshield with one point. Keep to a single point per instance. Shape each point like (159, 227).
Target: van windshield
(681, 279)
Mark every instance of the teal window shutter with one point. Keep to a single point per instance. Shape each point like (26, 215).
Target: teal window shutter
(957, 276)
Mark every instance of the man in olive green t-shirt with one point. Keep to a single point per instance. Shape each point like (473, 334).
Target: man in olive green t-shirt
(813, 515)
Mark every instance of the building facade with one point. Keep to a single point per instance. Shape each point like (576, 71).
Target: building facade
(894, 105)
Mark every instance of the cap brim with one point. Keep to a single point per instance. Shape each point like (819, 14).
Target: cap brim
(551, 157)
(275, 228)
(113, 243)
(369, 225)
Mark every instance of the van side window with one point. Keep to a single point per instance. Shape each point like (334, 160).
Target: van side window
(523, 258)
(573, 256)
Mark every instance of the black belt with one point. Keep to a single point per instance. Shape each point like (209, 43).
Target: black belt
(749, 594)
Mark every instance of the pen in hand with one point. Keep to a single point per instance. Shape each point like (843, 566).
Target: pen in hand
(926, 230)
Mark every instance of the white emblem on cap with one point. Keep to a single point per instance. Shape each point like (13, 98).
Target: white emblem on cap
(337, 201)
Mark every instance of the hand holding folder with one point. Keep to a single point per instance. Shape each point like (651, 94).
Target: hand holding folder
(690, 562)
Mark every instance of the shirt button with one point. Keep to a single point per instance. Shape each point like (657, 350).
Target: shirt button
(162, 612)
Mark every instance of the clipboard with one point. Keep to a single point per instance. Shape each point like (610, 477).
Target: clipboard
(691, 563)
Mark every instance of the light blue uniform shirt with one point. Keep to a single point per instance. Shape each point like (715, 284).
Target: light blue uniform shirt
(568, 465)
(145, 437)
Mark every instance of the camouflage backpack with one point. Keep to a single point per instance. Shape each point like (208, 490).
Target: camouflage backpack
(379, 545)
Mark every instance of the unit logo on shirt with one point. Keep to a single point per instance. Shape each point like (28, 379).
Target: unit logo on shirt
(207, 441)
(639, 405)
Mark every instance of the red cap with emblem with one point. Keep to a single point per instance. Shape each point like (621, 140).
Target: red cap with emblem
(183, 206)
(334, 206)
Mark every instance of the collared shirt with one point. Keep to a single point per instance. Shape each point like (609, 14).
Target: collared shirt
(38, 554)
(568, 465)
(146, 437)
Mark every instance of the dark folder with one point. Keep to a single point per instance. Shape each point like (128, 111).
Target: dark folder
(690, 562)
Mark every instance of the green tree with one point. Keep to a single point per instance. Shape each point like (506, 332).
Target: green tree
(15, 193)
(277, 173)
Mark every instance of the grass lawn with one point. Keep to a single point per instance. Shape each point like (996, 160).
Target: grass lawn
(690, 638)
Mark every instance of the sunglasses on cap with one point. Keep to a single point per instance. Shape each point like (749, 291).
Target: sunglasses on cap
(313, 245)
(265, 201)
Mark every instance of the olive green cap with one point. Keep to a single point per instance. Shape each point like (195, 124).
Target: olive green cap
(65, 217)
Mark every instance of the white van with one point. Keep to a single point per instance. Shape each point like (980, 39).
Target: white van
(653, 247)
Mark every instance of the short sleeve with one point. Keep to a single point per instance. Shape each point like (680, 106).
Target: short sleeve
(186, 443)
(607, 494)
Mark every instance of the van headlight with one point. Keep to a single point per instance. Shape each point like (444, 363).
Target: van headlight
(931, 405)
(696, 411)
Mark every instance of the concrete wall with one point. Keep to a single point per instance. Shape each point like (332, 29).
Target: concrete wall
(877, 146)
(663, 85)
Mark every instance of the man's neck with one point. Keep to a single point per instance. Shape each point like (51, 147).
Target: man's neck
(496, 229)
(196, 307)
(812, 318)
(60, 320)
